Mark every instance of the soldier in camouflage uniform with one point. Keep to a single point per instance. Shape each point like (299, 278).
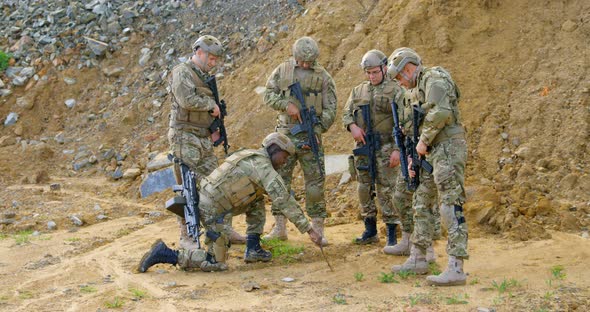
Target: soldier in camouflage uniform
(442, 141)
(402, 197)
(193, 110)
(377, 92)
(319, 91)
(238, 186)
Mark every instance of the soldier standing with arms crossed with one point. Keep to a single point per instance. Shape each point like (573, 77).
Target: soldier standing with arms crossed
(193, 110)
(319, 92)
(442, 142)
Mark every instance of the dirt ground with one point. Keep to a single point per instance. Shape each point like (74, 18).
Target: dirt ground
(523, 70)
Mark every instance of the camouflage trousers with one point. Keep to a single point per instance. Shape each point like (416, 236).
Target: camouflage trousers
(448, 159)
(384, 186)
(217, 226)
(402, 200)
(315, 203)
(195, 151)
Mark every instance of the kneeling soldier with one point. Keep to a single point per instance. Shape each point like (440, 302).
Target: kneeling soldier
(238, 186)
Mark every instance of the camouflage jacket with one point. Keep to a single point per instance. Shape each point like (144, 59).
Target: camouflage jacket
(244, 178)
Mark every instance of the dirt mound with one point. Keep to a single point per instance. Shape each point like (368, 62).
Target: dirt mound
(521, 68)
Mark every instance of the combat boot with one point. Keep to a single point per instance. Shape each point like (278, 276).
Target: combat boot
(236, 238)
(452, 276)
(254, 251)
(430, 255)
(402, 248)
(415, 263)
(318, 225)
(279, 231)
(369, 236)
(159, 253)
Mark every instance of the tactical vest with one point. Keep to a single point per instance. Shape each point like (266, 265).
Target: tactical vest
(453, 127)
(379, 99)
(311, 84)
(228, 186)
(182, 118)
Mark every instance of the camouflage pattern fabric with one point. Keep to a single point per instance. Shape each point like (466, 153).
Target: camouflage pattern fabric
(246, 172)
(313, 80)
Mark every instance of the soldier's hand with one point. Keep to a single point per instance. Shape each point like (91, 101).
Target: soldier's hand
(411, 172)
(215, 111)
(394, 159)
(421, 148)
(307, 147)
(315, 237)
(215, 136)
(293, 111)
(357, 133)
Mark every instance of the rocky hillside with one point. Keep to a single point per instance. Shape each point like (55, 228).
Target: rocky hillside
(87, 81)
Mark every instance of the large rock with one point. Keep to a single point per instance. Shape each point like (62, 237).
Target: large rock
(160, 161)
(157, 181)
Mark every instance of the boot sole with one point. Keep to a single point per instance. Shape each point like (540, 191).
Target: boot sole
(455, 283)
(256, 260)
(367, 242)
(146, 255)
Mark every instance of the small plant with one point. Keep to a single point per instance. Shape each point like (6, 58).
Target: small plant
(25, 294)
(3, 236)
(358, 276)
(505, 285)
(474, 281)
(434, 268)
(122, 232)
(87, 289)
(548, 295)
(557, 272)
(387, 278)
(282, 250)
(45, 237)
(137, 293)
(403, 274)
(458, 299)
(23, 237)
(116, 303)
(549, 282)
(72, 239)
(4, 59)
(414, 299)
(339, 299)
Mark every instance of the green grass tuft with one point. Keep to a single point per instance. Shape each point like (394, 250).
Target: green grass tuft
(358, 276)
(4, 58)
(387, 278)
(116, 303)
(282, 250)
(87, 289)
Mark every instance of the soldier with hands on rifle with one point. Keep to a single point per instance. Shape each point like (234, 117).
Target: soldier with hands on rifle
(238, 186)
(304, 94)
(442, 142)
(368, 117)
(194, 110)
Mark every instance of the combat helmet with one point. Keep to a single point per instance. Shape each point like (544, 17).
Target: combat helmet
(280, 140)
(373, 58)
(208, 44)
(400, 57)
(305, 49)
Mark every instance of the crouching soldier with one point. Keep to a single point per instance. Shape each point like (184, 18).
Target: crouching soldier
(238, 186)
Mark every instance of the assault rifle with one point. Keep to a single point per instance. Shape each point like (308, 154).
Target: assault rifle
(417, 161)
(218, 123)
(186, 203)
(370, 149)
(309, 120)
(399, 141)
